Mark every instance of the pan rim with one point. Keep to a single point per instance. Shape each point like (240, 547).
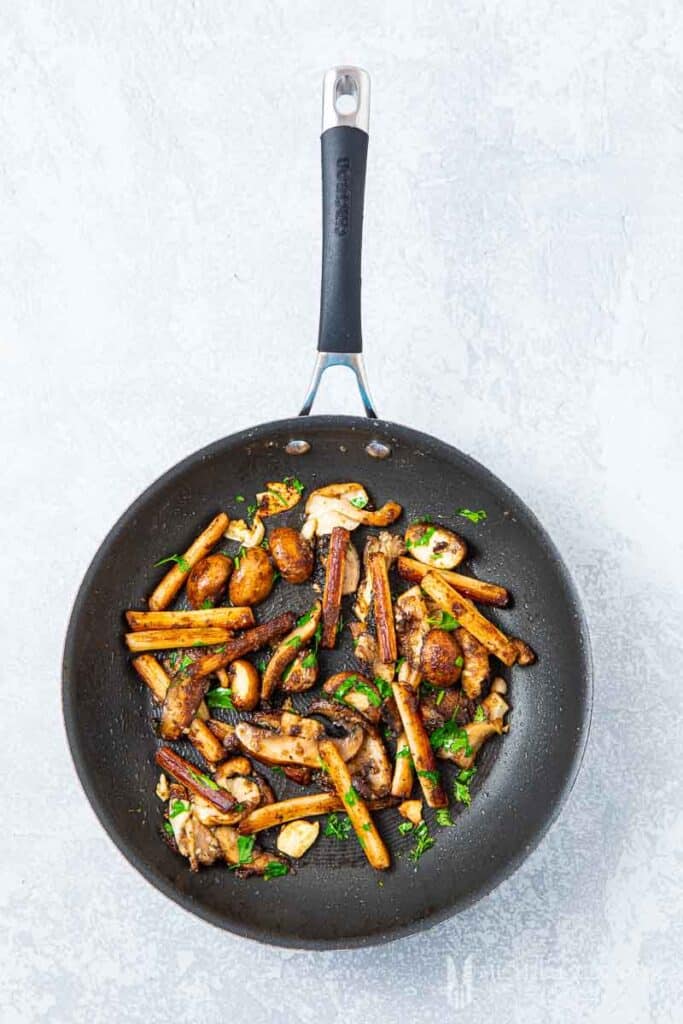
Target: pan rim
(255, 933)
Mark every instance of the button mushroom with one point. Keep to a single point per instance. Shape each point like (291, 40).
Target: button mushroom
(292, 554)
(441, 659)
(208, 580)
(435, 545)
(244, 684)
(253, 578)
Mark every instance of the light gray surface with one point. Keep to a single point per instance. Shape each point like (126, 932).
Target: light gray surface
(523, 299)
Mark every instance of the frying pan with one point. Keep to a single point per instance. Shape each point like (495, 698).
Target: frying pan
(335, 899)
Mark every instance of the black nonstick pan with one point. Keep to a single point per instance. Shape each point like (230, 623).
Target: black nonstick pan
(335, 899)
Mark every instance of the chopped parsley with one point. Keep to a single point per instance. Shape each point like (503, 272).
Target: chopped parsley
(276, 494)
(220, 697)
(354, 683)
(292, 481)
(275, 869)
(440, 696)
(405, 752)
(310, 661)
(423, 842)
(338, 826)
(294, 641)
(474, 517)
(181, 562)
(173, 659)
(359, 502)
(461, 786)
(420, 521)
(384, 687)
(405, 827)
(367, 826)
(479, 714)
(168, 829)
(423, 539)
(185, 663)
(251, 511)
(207, 603)
(451, 738)
(276, 768)
(245, 849)
(443, 620)
(443, 817)
(240, 497)
(240, 555)
(351, 797)
(459, 661)
(399, 664)
(432, 776)
(306, 617)
(177, 807)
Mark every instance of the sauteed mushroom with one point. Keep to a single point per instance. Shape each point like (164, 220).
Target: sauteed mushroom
(435, 545)
(292, 554)
(208, 581)
(253, 577)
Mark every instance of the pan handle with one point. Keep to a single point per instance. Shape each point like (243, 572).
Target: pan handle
(344, 147)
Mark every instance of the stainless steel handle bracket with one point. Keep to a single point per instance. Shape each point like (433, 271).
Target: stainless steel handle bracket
(346, 99)
(354, 361)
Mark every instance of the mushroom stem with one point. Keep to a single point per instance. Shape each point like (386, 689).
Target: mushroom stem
(354, 805)
(420, 747)
(384, 612)
(334, 581)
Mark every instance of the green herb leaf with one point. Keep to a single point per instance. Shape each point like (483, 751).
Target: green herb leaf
(440, 696)
(366, 827)
(479, 714)
(466, 774)
(203, 779)
(351, 797)
(276, 494)
(276, 768)
(177, 807)
(220, 697)
(207, 603)
(404, 752)
(185, 663)
(356, 684)
(405, 827)
(173, 659)
(451, 738)
(399, 664)
(461, 786)
(182, 564)
(251, 511)
(384, 687)
(338, 826)
(310, 661)
(474, 517)
(443, 620)
(443, 817)
(168, 829)
(359, 502)
(245, 848)
(423, 539)
(292, 481)
(275, 869)
(432, 776)
(423, 842)
(459, 661)
(240, 497)
(294, 641)
(420, 520)
(306, 617)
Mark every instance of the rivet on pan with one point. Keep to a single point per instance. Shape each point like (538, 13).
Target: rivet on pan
(297, 447)
(378, 450)
(343, 448)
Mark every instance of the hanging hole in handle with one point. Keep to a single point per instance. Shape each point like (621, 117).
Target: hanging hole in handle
(346, 95)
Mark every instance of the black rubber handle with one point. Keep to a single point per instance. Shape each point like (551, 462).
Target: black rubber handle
(344, 159)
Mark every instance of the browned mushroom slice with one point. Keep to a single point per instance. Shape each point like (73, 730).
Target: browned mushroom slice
(467, 615)
(477, 734)
(475, 657)
(434, 545)
(293, 741)
(253, 862)
(302, 674)
(356, 691)
(391, 546)
(344, 505)
(384, 612)
(495, 707)
(370, 767)
(203, 740)
(279, 496)
(286, 651)
(439, 706)
(293, 554)
(411, 626)
(478, 590)
(525, 655)
(334, 579)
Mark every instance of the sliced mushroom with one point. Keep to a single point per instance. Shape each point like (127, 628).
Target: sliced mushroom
(477, 734)
(475, 657)
(253, 577)
(302, 674)
(370, 767)
(411, 626)
(351, 570)
(296, 837)
(244, 535)
(442, 658)
(435, 545)
(244, 683)
(258, 861)
(355, 691)
(294, 740)
(495, 707)
(229, 769)
(287, 650)
(344, 505)
(279, 496)
(292, 554)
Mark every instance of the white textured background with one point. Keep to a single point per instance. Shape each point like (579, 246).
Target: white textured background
(523, 298)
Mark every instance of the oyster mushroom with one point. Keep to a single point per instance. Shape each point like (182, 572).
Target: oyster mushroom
(245, 535)
(258, 861)
(287, 649)
(475, 657)
(296, 837)
(412, 627)
(290, 739)
(302, 674)
(355, 691)
(370, 766)
(344, 505)
(434, 545)
(279, 496)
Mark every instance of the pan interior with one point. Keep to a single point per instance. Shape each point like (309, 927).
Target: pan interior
(335, 899)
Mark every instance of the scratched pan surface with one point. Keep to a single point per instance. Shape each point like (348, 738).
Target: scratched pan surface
(334, 898)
